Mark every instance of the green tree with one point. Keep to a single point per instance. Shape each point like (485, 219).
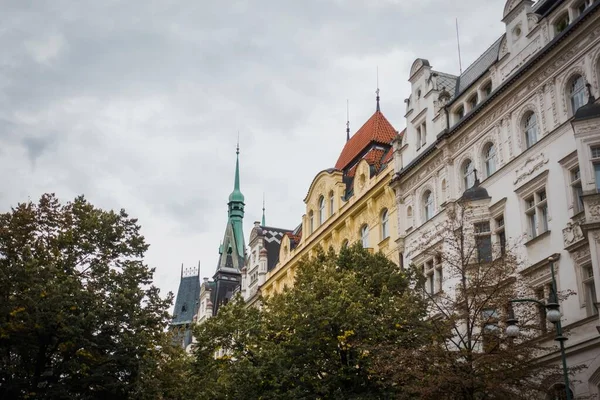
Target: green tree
(319, 339)
(79, 316)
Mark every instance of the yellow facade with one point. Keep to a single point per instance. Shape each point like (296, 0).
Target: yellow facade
(372, 205)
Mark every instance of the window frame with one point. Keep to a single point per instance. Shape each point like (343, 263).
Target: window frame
(385, 229)
(595, 160)
(576, 93)
(364, 236)
(489, 159)
(530, 130)
(428, 205)
(322, 215)
(467, 174)
(331, 205)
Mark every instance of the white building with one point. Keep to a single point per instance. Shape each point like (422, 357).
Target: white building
(512, 116)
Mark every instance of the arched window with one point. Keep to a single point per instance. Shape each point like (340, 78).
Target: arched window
(311, 222)
(473, 101)
(385, 229)
(487, 89)
(459, 113)
(321, 210)
(489, 155)
(531, 129)
(331, 203)
(364, 236)
(468, 176)
(427, 205)
(576, 93)
(345, 243)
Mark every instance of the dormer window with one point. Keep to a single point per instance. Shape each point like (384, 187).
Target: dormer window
(562, 23)
(487, 89)
(582, 6)
(459, 113)
(473, 101)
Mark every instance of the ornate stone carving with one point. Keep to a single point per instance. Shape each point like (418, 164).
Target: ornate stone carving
(572, 233)
(531, 165)
(592, 206)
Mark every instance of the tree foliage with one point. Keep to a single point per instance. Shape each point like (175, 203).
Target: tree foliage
(79, 316)
(319, 339)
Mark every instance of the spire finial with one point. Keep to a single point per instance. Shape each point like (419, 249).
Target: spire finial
(591, 98)
(347, 121)
(237, 148)
(377, 91)
(263, 223)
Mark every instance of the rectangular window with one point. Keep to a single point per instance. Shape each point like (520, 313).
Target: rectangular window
(597, 175)
(500, 235)
(419, 137)
(483, 241)
(542, 323)
(423, 134)
(590, 290)
(596, 164)
(536, 213)
(432, 271)
(576, 190)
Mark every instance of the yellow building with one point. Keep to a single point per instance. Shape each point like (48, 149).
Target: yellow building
(348, 203)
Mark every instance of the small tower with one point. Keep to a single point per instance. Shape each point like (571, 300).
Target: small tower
(186, 305)
(232, 250)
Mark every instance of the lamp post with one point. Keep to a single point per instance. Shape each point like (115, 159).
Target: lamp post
(552, 315)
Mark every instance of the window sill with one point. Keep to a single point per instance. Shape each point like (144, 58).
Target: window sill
(538, 238)
(383, 242)
(578, 214)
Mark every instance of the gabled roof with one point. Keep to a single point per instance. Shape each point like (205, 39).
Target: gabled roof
(377, 130)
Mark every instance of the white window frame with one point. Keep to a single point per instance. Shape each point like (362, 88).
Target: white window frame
(576, 93)
(428, 205)
(321, 210)
(385, 228)
(595, 159)
(490, 159)
(331, 204)
(364, 236)
(530, 129)
(467, 172)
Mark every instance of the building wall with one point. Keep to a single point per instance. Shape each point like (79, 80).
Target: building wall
(499, 118)
(372, 195)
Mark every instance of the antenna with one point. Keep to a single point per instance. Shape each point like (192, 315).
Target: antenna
(237, 149)
(377, 91)
(263, 210)
(347, 121)
(458, 43)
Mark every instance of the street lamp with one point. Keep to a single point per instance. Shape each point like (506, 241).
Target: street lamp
(552, 315)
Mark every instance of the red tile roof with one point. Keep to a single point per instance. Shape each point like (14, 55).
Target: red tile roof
(377, 129)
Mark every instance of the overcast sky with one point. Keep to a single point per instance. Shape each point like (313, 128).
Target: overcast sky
(137, 103)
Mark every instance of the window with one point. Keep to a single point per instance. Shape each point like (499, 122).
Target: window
(321, 210)
(542, 293)
(577, 93)
(536, 213)
(582, 6)
(561, 23)
(364, 236)
(483, 241)
(589, 288)
(419, 137)
(487, 89)
(473, 102)
(489, 155)
(576, 190)
(385, 229)
(311, 222)
(596, 164)
(409, 216)
(427, 205)
(500, 234)
(459, 113)
(433, 273)
(468, 176)
(490, 329)
(331, 203)
(531, 129)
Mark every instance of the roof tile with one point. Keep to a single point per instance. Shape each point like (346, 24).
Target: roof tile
(377, 129)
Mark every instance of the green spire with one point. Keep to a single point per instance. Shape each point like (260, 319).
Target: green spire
(237, 195)
(263, 217)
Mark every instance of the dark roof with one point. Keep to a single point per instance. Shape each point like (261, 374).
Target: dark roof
(475, 192)
(446, 81)
(588, 111)
(272, 239)
(186, 304)
(477, 69)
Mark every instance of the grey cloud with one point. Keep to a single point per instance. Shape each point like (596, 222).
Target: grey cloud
(137, 103)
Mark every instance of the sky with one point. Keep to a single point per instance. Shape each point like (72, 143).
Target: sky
(137, 104)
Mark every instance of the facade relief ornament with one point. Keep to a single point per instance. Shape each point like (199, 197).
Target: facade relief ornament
(532, 164)
(572, 234)
(592, 206)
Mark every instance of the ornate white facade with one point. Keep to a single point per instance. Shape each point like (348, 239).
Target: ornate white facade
(510, 116)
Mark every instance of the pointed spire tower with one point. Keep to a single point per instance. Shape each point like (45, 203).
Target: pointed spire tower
(347, 121)
(377, 91)
(232, 249)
